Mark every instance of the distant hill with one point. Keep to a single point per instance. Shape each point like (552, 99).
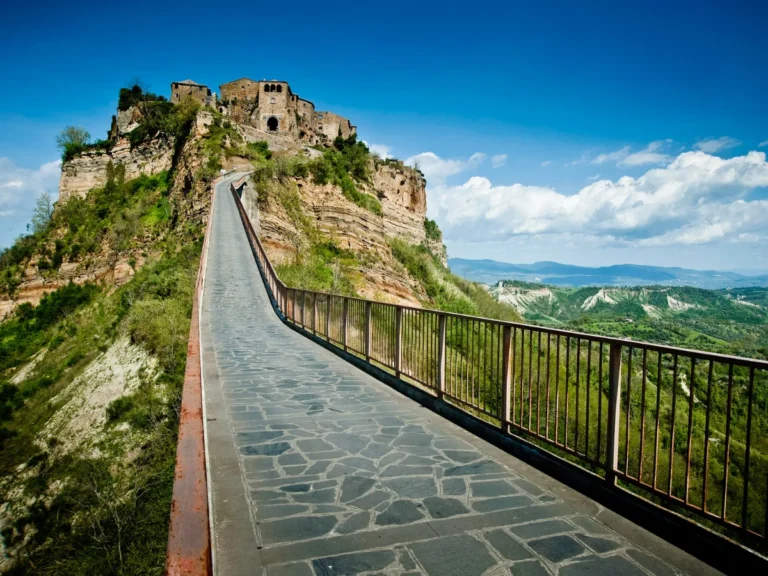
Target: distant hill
(729, 320)
(491, 271)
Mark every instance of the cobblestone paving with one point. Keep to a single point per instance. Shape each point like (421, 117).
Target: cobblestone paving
(345, 476)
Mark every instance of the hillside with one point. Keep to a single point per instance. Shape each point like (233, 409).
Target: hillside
(95, 305)
(732, 321)
(491, 271)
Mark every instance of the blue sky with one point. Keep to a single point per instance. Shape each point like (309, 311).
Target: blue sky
(621, 133)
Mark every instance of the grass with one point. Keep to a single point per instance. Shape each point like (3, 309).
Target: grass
(104, 511)
(91, 515)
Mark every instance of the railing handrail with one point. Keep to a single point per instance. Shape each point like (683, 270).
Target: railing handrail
(488, 382)
(663, 348)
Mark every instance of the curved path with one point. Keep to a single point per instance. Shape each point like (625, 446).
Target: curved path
(317, 468)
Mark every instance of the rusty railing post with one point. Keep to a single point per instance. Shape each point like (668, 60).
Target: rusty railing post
(398, 340)
(506, 379)
(344, 323)
(441, 321)
(314, 313)
(614, 413)
(368, 331)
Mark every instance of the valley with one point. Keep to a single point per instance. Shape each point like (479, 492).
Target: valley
(730, 321)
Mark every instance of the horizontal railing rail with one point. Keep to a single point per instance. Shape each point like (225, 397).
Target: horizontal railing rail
(686, 428)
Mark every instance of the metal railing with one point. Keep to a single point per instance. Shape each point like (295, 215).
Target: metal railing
(687, 428)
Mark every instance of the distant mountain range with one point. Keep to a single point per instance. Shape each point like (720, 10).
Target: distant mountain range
(492, 271)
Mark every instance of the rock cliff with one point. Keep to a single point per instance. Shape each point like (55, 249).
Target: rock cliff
(89, 170)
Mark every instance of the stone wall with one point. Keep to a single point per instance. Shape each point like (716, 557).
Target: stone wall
(89, 170)
(333, 125)
(241, 96)
(275, 105)
(181, 90)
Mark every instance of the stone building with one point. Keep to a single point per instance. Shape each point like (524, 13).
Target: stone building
(271, 106)
(200, 92)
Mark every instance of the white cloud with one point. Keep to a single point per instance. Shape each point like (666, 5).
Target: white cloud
(616, 156)
(546, 163)
(382, 150)
(593, 178)
(437, 169)
(651, 154)
(763, 144)
(712, 145)
(498, 160)
(695, 199)
(19, 190)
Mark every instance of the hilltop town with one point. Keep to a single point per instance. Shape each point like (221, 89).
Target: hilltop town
(269, 106)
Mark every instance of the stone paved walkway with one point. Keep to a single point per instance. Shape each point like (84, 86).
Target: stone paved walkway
(316, 468)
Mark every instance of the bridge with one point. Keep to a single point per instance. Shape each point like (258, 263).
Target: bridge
(327, 435)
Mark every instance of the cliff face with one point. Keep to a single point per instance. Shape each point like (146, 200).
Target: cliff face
(401, 192)
(89, 170)
(188, 197)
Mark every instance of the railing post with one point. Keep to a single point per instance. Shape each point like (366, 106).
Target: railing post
(398, 340)
(344, 315)
(314, 313)
(506, 379)
(328, 317)
(368, 331)
(614, 413)
(441, 321)
(303, 307)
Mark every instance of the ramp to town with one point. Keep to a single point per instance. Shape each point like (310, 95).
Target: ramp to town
(317, 468)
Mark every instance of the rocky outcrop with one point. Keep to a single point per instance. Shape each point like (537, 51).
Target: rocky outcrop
(89, 169)
(189, 197)
(401, 191)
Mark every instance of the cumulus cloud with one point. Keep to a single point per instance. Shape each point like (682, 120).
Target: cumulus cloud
(498, 160)
(695, 199)
(713, 145)
(437, 169)
(19, 190)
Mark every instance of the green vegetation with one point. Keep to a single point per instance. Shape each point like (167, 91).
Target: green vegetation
(136, 96)
(103, 518)
(72, 141)
(346, 163)
(446, 291)
(726, 321)
(118, 214)
(432, 231)
(105, 510)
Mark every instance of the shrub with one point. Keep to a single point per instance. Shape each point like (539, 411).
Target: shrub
(136, 95)
(119, 407)
(432, 231)
(163, 327)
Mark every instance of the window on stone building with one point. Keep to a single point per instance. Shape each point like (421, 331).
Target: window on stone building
(279, 88)
(266, 87)
(272, 100)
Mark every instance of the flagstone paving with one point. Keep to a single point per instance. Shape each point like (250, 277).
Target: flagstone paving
(318, 469)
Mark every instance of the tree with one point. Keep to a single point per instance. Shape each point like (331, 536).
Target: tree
(72, 141)
(43, 213)
(72, 136)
